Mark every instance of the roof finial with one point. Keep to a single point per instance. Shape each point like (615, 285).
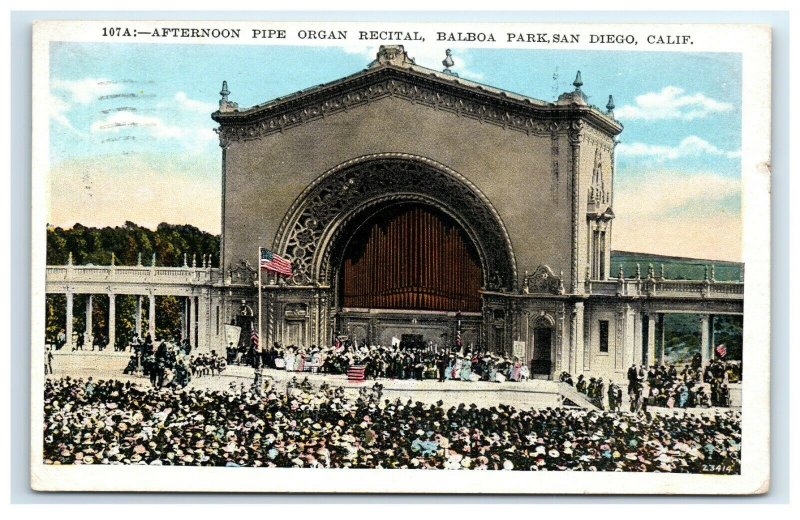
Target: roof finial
(224, 104)
(610, 106)
(139, 259)
(153, 262)
(184, 260)
(578, 83)
(113, 258)
(621, 274)
(69, 260)
(448, 62)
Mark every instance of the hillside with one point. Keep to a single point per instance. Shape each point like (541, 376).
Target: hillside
(675, 267)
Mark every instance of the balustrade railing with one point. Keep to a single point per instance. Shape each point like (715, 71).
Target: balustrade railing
(131, 274)
(654, 287)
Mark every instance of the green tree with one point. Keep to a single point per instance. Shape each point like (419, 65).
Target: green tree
(90, 245)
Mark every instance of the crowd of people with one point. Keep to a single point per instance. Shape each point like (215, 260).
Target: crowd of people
(113, 422)
(169, 364)
(399, 362)
(695, 384)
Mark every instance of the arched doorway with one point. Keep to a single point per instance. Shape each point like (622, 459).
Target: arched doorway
(542, 355)
(410, 256)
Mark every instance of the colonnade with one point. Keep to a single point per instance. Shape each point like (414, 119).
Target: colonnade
(190, 324)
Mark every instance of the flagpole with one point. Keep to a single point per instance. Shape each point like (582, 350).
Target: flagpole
(259, 308)
(257, 379)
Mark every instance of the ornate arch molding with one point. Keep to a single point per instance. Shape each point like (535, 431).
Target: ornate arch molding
(313, 222)
(544, 320)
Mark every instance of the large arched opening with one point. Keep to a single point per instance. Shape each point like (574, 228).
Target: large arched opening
(394, 246)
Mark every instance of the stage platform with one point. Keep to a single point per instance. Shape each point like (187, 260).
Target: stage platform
(536, 393)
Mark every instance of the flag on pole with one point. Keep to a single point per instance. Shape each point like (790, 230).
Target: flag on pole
(459, 342)
(721, 350)
(275, 263)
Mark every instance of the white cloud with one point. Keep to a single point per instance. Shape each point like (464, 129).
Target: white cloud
(691, 146)
(672, 103)
(125, 119)
(58, 109)
(190, 136)
(679, 214)
(85, 90)
(194, 105)
(429, 55)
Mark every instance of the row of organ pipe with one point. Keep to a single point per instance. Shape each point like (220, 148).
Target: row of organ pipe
(411, 258)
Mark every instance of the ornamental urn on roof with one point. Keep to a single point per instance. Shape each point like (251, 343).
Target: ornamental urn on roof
(392, 55)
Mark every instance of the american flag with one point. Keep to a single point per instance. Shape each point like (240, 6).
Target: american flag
(254, 339)
(721, 350)
(459, 342)
(272, 262)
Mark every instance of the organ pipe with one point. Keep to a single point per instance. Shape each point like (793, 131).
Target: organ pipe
(411, 257)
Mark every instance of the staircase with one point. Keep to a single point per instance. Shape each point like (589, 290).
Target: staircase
(569, 392)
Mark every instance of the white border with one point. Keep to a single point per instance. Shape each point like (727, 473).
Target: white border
(753, 42)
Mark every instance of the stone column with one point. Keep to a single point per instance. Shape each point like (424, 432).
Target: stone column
(705, 340)
(112, 320)
(88, 336)
(139, 315)
(712, 338)
(202, 323)
(629, 352)
(69, 318)
(575, 137)
(661, 349)
(637, 338)
(151, 325)
(183, 318)
(576, 337)
(192, 322)
(651, 339)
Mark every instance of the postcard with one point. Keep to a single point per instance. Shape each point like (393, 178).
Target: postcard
(400, 257)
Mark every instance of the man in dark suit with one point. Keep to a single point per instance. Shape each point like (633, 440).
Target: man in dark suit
(441, 365)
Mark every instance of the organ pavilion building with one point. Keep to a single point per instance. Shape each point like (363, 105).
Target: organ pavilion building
(416, 206)
(408, 199)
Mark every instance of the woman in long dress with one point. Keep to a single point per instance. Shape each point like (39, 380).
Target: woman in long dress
(289, 359)
(515, 369)
(466, 369)
(456, 374)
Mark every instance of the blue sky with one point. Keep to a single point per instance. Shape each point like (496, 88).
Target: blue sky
(130, 123)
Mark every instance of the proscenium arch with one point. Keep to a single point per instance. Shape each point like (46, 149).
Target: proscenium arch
(306, 232)
(336, 240)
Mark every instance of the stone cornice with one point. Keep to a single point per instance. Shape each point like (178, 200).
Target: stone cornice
(466, 99)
